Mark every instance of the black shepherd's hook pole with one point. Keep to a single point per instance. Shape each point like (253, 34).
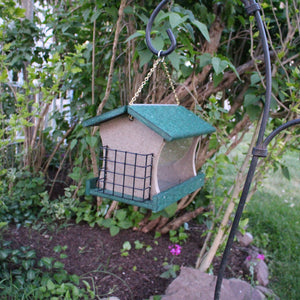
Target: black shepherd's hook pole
(169, 32)
(261, 147)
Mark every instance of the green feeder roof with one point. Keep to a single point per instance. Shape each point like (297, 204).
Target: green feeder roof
(171, 122)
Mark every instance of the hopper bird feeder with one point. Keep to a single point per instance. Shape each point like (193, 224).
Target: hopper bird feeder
(148, 154)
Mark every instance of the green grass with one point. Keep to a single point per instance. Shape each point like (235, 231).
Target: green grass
(274, 219)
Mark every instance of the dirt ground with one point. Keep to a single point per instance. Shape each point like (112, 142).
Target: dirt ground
(93, 254)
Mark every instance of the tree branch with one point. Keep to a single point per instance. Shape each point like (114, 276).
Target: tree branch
(113, 58)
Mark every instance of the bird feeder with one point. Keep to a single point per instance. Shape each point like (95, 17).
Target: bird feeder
(148, 154)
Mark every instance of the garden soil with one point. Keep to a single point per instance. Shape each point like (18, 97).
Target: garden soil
(97, 257)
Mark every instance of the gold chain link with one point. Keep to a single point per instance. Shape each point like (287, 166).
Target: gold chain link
(137, 93)
(145, 81)
(171, 82)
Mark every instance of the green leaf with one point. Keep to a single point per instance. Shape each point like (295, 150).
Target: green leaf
(285, 172)
(149, 248)
(114, 230)
(175, 19)
(3, 76)
(145, 57)
(205, 59)
(121, 214)
(217, 78)
(108, 223)
(233, 68)
(95, 15)
(253, 111)
(125, 253)
(19, 12)
(175, 60)
(57, 249)
(86, 14)
(75, 292)
(75, 279)
(125, 224)
(186, 71)
(47, 262)
(73, 144)
(219, 65)
(86, 284)
(250, 99)
(4, 253)
(26, 264)
(92, 141)
(75, 70)
(61, 276)
(50, 285)
(171, 209)
(126, 246)
(160, 17)
(30, 254)
(158, 43)
(203, 29)
(30, 275)
(138, 33)
(138, 245)
(255, 78)
(58, 265)
(166, 274)
(76, 175)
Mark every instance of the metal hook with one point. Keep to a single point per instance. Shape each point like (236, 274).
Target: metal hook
(169, 32)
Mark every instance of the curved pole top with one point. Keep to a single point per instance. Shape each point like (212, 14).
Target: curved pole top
(169, 32)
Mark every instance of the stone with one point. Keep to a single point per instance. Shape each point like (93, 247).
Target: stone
(244, 239)
(193, 284)
(267, 292)
(261, 273)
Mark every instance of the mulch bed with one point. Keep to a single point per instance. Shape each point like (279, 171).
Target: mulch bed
(95, 255)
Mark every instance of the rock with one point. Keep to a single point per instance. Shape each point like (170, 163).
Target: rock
(267, 292)
(261, 273)
(244, 240)
(260, 268)
(193, 284)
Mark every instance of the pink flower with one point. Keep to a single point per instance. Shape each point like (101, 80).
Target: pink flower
(175, 249)
(248, 258)
(260, 256)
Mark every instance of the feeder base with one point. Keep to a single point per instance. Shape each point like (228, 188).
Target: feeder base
(159, 201)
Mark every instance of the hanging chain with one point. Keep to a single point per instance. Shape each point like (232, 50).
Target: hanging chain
(171, 82)
(137, 93)
(160, 59)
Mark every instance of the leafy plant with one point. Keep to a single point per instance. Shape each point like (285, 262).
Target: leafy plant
(61, 208)
(20, 196)
(171, 269)
(26, 277)
(119, 221)
(178, 236)
(125, 248)
(138, 245)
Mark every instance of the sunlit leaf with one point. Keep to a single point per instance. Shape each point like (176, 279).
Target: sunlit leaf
(203, 29)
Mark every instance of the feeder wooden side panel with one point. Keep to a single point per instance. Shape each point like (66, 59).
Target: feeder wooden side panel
(134, 137)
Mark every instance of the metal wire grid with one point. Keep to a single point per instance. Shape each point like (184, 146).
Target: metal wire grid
(125, 174)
